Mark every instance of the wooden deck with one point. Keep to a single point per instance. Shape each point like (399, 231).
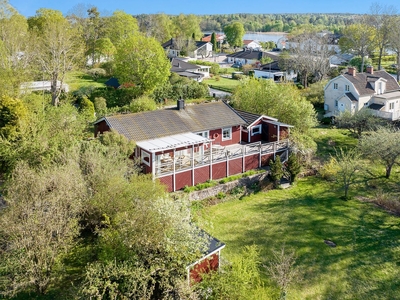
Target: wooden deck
(215, 154)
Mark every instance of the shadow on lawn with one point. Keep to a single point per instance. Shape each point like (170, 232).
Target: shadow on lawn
(367, 239)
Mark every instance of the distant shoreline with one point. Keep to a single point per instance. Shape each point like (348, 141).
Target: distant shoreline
(263, 32)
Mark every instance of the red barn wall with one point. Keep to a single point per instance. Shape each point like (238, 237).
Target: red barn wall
(245, 136)
(235, 166)
(168, 181)
(206, 265)
(201, 174)
(219, 170)
(251, 162)
(100, 127)
(183, 179)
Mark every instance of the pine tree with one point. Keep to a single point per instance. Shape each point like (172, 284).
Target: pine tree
(214, 41)
(293, 167)
(276, 170)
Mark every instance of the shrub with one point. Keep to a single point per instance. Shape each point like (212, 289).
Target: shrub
(221, 195)
(97, 73)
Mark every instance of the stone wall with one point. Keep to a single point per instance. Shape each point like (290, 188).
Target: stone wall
(226, 187)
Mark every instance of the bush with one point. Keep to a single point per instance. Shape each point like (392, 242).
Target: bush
(221, 195)
(97, 73)
(142, 103)
(326, 121)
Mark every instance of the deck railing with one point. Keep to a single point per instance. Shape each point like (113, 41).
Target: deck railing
(216, 154)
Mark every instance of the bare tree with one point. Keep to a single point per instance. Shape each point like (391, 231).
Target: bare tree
(310, 56)
(379, 19)
(394, 40)
(282, 270)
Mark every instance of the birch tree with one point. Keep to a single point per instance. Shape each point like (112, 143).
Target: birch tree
(58, 48)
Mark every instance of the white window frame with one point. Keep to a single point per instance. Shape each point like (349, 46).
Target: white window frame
(335, 86)
(391, 105)
(347, 88)
(256, 130)
(229, 130)
(144, 155)
(205, 134)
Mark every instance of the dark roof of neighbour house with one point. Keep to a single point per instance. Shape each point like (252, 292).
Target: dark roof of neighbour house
(351, 96)
(213, 246)
(166, 122)
(272, 66)
(250, 118)
(179, 65)
(376, 106)
(113, 82)
(251, 54)
(362, 81)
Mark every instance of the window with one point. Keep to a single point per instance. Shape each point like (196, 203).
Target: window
(347, 87)
(391, 105)
(226, 133)
(145, 158)
(336, 103)
(256, 130)
(204, 134)
(335, 86)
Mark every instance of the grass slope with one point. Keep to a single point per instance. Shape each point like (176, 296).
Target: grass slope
(365, 263)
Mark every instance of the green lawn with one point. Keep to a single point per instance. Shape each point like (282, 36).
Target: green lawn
(79, 79)
(224, 83)
(365, 263)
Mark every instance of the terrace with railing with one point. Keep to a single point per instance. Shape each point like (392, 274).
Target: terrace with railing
(212, 154)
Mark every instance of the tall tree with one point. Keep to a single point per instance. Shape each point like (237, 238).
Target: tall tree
(120, 26)
(234, 34)
(214, 42)
(383, 145)
(282, 101)
(187, 26)
(310, 56)
(379, 19)
(394, 38)
(58, 48)
(14, 50)
(358, 39)
(142, 61)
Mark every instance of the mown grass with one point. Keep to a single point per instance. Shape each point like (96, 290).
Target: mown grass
(366, 261)
(225, 83)
(79, 79)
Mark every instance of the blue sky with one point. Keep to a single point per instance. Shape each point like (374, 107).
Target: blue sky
(29, 7)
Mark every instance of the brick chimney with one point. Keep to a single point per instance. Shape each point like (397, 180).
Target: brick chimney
(370, 69)
(351, 71)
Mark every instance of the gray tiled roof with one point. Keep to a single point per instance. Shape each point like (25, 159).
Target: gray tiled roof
(376, 106)
(351, 96)
(251, 54)
(249, 117)
(164, 122)
(362, 82)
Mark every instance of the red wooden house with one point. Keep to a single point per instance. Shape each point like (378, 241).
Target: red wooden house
(210, 261)
(190, 144)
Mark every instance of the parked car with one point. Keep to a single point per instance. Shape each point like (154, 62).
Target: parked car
(236, 65)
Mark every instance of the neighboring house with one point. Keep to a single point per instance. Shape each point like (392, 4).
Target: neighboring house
(252, 44)
(199, 49)
(208, 262)
(190, 144)
(248, 56)
(272, 71)
(352, 91)
(219, 37)
(331, 40)
(340, 59)
(189, 70)
(34, 86)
